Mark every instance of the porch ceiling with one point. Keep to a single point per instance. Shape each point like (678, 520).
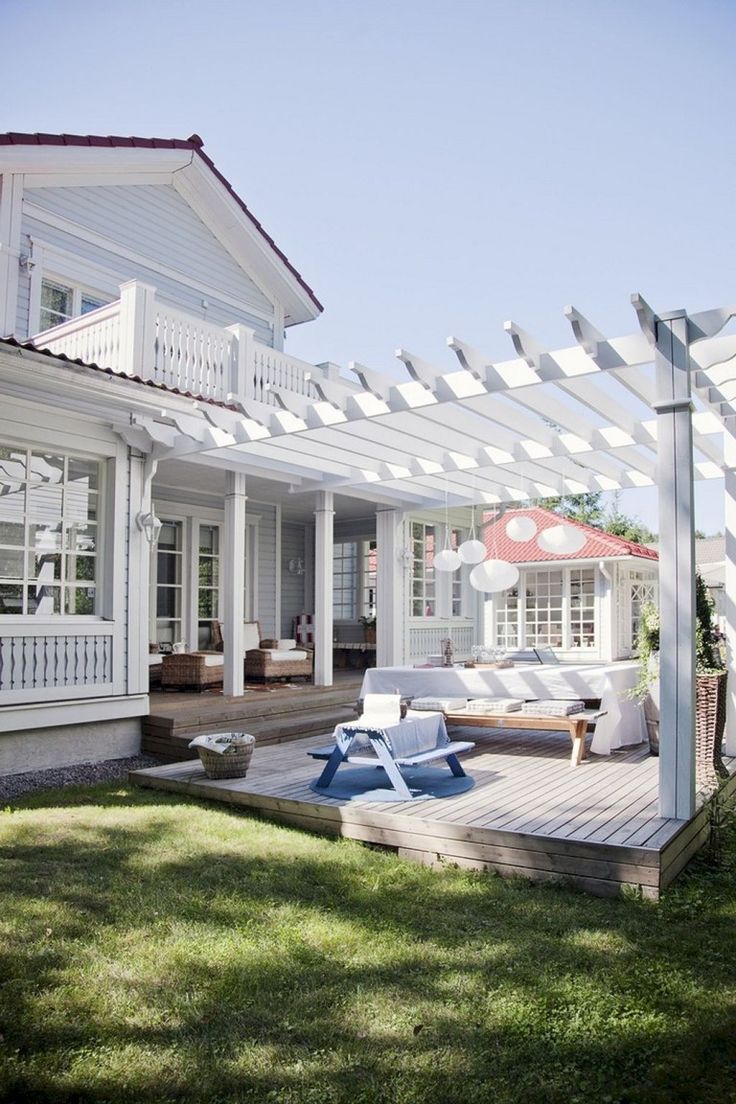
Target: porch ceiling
(546, 422)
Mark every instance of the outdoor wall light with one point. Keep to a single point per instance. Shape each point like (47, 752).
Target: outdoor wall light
(296, 566)
(150, 526)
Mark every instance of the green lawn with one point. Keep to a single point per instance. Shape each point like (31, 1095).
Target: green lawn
(157, 949)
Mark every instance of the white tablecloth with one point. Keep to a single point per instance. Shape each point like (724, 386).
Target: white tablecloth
(416, 733)
(622, 725)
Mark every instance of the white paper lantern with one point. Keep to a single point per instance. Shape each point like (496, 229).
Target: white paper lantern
(521, 528)
(561, 540)
(447, 560)
(494, 575)
(472, 551)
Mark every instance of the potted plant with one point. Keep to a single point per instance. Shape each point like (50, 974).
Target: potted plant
(369, 628)
(710, 685)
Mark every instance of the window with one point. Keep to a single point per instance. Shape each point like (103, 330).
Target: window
(423, 583)
(49, 511)
(369, 559)
(60, 302)
(344, 580)
(507, 619)
(456, 578)
(169, 590)
(208, 574)
(582, 607)
(543, 620)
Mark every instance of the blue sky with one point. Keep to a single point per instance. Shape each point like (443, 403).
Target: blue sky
(432, 168)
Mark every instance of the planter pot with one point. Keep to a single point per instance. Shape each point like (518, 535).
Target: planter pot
(370, 634)
(234, 762)
(710, 721)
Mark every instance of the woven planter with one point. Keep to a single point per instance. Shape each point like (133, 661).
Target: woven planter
(710, 721)
(234, 762)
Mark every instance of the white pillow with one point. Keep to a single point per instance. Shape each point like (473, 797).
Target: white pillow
(285, 645)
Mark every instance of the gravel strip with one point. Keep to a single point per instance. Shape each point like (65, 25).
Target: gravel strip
(86, 774)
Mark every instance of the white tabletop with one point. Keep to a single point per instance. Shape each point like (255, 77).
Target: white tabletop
(622, 725)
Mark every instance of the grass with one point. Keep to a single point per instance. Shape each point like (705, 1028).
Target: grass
(157, 949)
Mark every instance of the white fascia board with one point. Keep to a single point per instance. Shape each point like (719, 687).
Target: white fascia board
(63, 160)
(244, 241)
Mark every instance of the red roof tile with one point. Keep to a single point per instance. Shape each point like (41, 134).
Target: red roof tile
(194, 143)
(598, 546)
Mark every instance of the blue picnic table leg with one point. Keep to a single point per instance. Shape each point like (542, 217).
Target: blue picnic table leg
(454, 764)
(337, 757)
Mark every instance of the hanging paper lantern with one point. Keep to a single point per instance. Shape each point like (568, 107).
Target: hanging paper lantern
(472, 551)
(494, 575)
(521, 528)
(561, 540)
(447, 560)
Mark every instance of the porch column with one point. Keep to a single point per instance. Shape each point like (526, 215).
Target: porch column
(324, 517)
(139, 567)
(233, 584)
(390, 606)
(729, 588)
(676, 567)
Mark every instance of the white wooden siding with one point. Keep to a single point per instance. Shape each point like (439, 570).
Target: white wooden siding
(135, 224)
(293, 599)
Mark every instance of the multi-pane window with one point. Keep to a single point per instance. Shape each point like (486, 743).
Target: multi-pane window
(507, 618)
(169, 589)
(60, 302)
(423, 582)
(582, 607)
(543, 602)
(208, 573)
(49, 511)
(456, 579)
(370, 578)
(344, 580)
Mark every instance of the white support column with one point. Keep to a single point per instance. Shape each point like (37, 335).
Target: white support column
(233, 584)
(324, 535)
(676, 567)
(142, 470)
(243, 365)
(391, 611)
(730, 589)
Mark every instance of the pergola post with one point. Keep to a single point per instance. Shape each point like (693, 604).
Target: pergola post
(233, 584)
(676, 566)
(729, 589)
(390, 605)
(324, 516)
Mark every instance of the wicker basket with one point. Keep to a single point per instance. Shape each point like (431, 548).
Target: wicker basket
(710, 721)
(233, 763)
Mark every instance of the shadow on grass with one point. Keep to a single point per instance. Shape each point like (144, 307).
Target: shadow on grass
(225, 959)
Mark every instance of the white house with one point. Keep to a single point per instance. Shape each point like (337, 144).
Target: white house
(584, 605)
(157, 307)
(143, 311)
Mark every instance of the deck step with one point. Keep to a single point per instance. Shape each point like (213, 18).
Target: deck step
(171, 745)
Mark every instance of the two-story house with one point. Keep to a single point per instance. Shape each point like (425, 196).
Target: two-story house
(151, 479)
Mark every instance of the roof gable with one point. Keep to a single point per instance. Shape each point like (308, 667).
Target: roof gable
(194, 175)
(599, 545)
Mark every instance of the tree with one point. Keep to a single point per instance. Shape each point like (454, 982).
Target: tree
(629, 528)
(578, 507)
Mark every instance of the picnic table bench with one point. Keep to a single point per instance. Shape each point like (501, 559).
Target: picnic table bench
(413, 742)
(574, 723)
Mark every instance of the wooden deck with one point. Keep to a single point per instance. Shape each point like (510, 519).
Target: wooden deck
(529, 814)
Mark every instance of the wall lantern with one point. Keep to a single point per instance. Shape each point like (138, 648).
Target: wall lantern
(150, 526)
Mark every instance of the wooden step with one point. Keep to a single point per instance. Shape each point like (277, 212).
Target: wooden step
(172, 745)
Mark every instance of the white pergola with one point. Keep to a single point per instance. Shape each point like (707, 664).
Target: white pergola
(654, 407)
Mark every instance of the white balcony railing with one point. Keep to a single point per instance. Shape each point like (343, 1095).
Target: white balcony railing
(140, 336)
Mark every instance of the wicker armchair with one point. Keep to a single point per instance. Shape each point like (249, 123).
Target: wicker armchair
(192, 670)
(265, 660)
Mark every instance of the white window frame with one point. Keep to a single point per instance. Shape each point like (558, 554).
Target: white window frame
(59, 267)
(566, 647)
(103, 568)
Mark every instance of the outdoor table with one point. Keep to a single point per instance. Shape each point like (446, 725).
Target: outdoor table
(622, 725)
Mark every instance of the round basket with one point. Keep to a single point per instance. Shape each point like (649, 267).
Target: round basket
(234, 762)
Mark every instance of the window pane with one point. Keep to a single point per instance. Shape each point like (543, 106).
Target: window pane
(209, 539)
(44, 537)
(81, 569)
(44, 600)
(169, 537)
(44, 503)
(80, 600)
(56, 304)
(46, 566)
(207, 603)
(11, 598)
(81, 537)
(11, 564)
(90, 303)
(168, 602)
(168, 569)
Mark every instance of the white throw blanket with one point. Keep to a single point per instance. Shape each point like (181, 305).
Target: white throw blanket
(221, 743)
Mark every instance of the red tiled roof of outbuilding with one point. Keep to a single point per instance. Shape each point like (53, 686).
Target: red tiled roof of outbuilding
(599, 545)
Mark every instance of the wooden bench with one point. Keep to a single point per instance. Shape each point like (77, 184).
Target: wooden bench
(576, 724)
(355, 740)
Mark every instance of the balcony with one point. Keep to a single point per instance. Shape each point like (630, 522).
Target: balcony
(141, 336)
